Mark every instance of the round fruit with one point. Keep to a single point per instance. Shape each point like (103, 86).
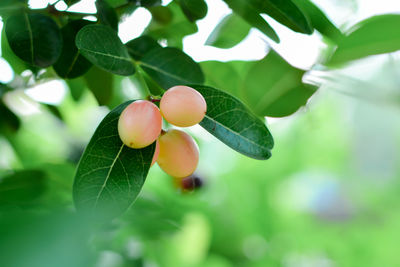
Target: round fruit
(156, 152)
(188, 184)
(183, 106)
(139, 124)
(179, 153)
(191, 183)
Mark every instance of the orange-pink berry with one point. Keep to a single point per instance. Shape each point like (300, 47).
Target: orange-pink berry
(139, 124)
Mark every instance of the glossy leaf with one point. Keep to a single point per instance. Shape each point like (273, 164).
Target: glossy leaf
(22, 187)
(274, 88)
(102, 46)
(222, 75)
(232, 122)
(285, 12)
(140, 46)
(110, 175)
(17, 64)
(376, 35)
(71, 63)
(230, 31)
(193, 9)
(100, 83)
(319, 20)
(244, 9)
(169, 23)
(170, 66)
(35, 38)
(9, 7)
(106, 14)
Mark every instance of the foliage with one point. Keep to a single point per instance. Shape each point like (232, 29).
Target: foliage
(86, 190)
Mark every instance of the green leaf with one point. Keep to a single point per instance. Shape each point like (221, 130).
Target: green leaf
(22, 187)
(230, 31)
(77, 87)
(234, 124)
(170, 24)
(106, 14)
(71, 2)
(110, 175)
(117, 3)
(8, 120)
(193, 9)
(55, 111)
(17, 64)
(170, 66)
(153, 87)
(148, 3)
(244, 9)
(162, 15)
(222, 75)
(100, 83)
(71, 63)
(376, 35)
(118, 94)
(4, 89)
(319, 20)
(241, 67)
(35, 38)
(9, 7)
(285, 12)
(274, 88)
(101, 45)
(140, 46)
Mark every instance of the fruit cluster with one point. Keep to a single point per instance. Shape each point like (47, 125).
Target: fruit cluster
(140, 124)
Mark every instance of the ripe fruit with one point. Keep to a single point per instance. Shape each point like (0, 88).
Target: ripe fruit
(156, 152)
(191, 183)
(139, 124)
(183, 106)
(188, 184)
(179, 154)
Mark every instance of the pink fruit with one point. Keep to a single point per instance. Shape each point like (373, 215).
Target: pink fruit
(139, 124)
(179, 153)
(183, 106)
(156, 152)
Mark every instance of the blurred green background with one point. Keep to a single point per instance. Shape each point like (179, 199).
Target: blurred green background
(329, 196)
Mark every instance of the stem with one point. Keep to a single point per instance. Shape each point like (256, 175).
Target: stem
(142, 82)
(154, 100)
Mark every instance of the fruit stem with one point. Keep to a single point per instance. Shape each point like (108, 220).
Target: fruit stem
(142, 83)
(153, 99)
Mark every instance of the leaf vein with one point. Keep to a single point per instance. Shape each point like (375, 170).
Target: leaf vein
(108, 176)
